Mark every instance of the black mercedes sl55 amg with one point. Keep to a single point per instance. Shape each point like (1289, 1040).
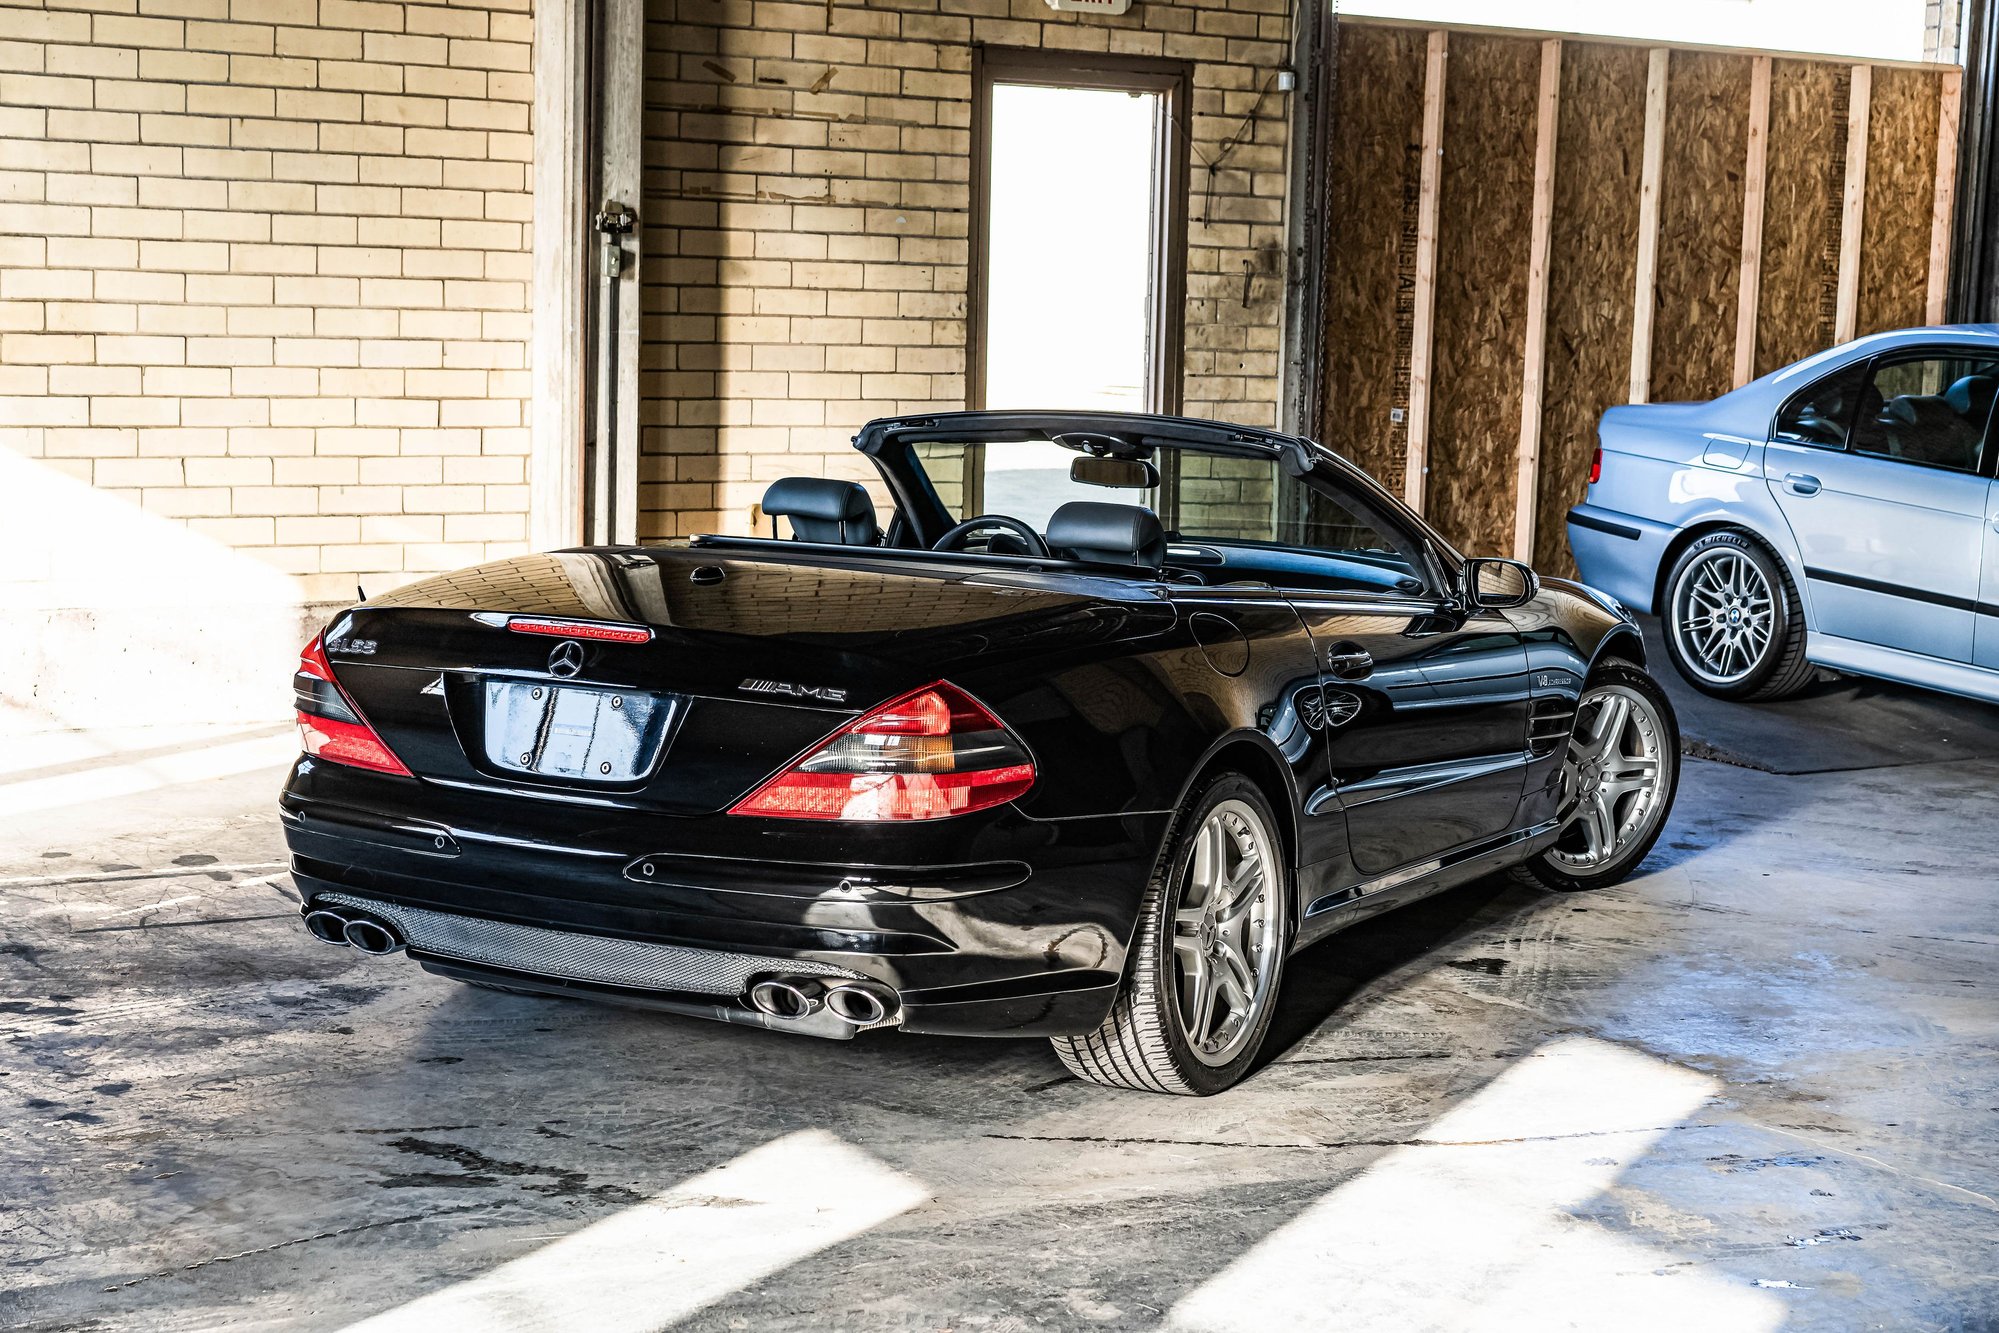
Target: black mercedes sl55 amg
(1023, 761)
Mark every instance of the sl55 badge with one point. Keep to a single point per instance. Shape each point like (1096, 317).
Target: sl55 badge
(825, 693)
(354, 647)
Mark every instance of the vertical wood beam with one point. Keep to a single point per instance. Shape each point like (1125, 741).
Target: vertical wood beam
(1423, 326)
(1527, 484)
(622, 61)
(1755, 167)
(1948, 111)
(560, 258)
(1853, 205)
(1645, 295)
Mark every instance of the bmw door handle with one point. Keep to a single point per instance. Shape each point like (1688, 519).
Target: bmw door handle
(1349, 661)
(1801, 483)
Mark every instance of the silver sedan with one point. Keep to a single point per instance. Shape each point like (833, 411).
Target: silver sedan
(1840, 512)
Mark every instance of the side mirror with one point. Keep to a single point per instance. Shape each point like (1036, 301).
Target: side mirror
(1496, 584)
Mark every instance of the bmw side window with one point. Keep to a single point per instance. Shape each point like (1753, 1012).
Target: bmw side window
(1821, 414)
(1930, 409)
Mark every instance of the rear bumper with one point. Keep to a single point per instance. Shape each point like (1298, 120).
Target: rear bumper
(990, 924)
(1619, 553)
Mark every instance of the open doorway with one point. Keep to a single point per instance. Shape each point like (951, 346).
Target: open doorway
(1079, 245)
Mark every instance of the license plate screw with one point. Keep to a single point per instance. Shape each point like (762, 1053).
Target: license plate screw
(617, 702)
(535, 693)
(604, 768)
(527, 758)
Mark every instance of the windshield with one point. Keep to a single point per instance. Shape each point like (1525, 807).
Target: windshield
(1244, 514)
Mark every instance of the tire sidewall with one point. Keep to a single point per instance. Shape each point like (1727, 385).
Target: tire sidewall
(1788, 618)
(1555, 876)
(1162, 985)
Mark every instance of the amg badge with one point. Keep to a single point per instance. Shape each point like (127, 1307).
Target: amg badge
(822, 692)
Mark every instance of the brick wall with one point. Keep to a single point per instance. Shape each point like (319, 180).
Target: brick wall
(807, 192)
(263, 322)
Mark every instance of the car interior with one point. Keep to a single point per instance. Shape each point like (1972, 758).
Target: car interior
(1945, 429)
(1108, 536)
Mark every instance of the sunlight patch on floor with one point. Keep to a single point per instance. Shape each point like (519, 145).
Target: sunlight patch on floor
(657, 1262)
(1471, 1226)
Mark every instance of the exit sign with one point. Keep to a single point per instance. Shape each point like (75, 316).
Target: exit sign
(1090, 6)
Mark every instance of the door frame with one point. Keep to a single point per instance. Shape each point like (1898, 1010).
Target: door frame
(1172, 80)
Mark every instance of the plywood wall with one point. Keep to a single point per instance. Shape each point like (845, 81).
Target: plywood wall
(1470, 418)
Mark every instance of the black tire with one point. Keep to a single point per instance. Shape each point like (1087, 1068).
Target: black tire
(1141, 1046)
(1780, 669)
(1554, 868)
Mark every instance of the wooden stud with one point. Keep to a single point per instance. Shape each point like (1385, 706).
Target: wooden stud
(1852, 213)
(561, 252)
(1425, 297)
(1749, 287)
(1535, 353)
(1645, 295)
(1948, 110)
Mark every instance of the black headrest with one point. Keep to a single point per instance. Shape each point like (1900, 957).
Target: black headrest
(1972, 396)
(822, 509)
(1108, 534)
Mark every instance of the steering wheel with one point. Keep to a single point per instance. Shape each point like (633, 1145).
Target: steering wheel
(950, 541)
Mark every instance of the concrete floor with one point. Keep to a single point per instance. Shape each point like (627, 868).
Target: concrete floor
(1754, 1088)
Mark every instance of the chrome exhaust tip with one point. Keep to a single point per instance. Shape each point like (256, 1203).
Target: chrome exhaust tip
(326, 925)
(371, 936)
(787, 997)
(861, 1003)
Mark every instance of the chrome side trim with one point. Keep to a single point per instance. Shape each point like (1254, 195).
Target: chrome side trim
(1419, 870)
(1426, 777)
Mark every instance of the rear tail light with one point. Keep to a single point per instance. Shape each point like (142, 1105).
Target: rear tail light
(931, 754)
(1596, 466)
(331, 727)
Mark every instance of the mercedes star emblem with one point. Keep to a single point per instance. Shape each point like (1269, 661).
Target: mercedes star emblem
(566, 660)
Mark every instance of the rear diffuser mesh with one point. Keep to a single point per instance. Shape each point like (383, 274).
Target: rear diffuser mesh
(576, 956)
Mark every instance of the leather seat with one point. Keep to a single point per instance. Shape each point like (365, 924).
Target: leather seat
(1108, 534)
(1971, 397)
(822, 509)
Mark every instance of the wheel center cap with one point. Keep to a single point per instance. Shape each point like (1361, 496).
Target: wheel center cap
(1735, 615)
(1207, 934)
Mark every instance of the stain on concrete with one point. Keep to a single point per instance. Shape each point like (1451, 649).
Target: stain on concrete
(478, 1171)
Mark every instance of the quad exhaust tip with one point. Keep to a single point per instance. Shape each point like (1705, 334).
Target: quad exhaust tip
(857, 1003)
(369, 934)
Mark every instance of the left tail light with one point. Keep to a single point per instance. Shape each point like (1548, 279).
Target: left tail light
(1596, 466)
(331, 727)
(931, 754)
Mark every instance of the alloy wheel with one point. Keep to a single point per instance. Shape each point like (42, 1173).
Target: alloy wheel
(1226, 945)
(1610, 778)
(1724, 616)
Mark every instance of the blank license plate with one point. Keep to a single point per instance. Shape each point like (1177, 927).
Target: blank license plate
(558, 731)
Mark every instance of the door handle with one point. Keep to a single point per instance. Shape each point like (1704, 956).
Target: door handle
(1349, 661)
(1995, 522)
(1801, 483)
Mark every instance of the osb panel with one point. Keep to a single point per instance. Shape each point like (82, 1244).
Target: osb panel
(1802, 182)
(1900, 201)
(1592, 265)
(1700, 225)
(1484, 217)
(1370, 246)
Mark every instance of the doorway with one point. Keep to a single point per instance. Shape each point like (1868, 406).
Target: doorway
(1078, 286)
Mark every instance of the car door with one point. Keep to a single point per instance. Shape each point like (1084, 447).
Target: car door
(1426, 724)
(1878, 469)
(1985, 638)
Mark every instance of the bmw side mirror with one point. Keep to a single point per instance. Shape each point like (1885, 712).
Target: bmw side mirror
(1496, 584)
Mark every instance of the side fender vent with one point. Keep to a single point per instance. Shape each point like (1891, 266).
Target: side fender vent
(1549, 725)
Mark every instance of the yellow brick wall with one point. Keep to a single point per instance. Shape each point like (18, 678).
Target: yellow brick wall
(808, 172)
(264, 272)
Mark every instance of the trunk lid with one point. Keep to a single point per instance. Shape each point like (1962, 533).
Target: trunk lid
(752, 657)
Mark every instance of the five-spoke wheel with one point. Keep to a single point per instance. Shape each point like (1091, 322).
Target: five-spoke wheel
(1224, 943)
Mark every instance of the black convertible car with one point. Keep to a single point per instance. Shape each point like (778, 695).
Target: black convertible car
(1024, 761)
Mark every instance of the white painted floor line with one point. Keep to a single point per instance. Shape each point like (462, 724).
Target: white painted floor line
(119, 780)
(653, 1264)
(1475, 1230)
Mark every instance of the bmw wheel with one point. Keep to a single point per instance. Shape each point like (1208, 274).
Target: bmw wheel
(1618, 781)
(1207, 957)
(1734, 625)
